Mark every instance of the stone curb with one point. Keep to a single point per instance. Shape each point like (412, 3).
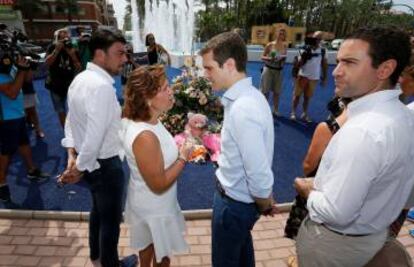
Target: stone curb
(204, 214)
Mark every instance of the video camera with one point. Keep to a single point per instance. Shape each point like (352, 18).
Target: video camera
(10, 50)
(310, 42)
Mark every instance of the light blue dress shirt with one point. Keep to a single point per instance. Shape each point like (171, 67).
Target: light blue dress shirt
(247, 144)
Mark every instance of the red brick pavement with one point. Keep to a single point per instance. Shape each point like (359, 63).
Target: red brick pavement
(63, 243)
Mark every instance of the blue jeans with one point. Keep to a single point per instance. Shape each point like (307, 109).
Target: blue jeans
(232, 244)
(107, 189)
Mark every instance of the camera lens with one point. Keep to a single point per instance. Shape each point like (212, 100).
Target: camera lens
(67, 43)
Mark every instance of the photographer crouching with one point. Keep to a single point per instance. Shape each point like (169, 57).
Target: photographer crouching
(64, 63)
(311, 61)
(13, 133)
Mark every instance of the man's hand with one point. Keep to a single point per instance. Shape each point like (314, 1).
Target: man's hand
(59, 46)
(71, 158)
(303, 186)
(71, 176)
(71, 162)
(22, 63)
(266, 206)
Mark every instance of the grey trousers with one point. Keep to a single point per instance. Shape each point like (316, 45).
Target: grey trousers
(316, 246)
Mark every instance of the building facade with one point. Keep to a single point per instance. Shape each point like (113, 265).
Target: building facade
(53, 15)
(12, 18)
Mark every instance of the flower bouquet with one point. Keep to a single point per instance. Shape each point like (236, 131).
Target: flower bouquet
(194, 97)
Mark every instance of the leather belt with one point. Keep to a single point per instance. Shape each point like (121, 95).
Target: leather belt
(344, 234)
(273, 68)
(222, 193)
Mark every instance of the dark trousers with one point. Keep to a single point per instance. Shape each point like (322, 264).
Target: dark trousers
(107, 189)
(232, 244)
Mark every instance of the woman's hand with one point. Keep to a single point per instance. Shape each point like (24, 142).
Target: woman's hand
(185, 150)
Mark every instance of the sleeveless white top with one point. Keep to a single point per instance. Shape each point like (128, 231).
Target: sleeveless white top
(153, 218)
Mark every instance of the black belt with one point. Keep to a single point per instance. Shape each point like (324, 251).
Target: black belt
(222, 193)
(273, 68)
(344, 234)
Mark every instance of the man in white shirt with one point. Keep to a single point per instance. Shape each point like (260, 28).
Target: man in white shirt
(244, 177)
(91, 137)
(366, 173)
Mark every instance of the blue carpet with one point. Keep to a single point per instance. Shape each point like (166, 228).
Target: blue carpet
(195, 186)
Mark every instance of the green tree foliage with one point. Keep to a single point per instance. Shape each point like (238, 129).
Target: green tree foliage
(338, 16)
(127, 16)
(29, 8)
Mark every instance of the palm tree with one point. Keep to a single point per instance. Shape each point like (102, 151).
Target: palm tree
(127, 16)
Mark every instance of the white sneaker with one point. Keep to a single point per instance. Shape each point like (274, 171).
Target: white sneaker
(305, 117)
(292, 116)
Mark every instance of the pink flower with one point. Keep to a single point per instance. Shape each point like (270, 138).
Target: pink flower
(213, 143)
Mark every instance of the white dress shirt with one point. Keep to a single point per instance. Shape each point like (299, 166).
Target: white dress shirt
(366, 173)
(247, 144)
(94, 118)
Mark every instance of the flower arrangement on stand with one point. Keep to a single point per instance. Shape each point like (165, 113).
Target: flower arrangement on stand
(197, 115)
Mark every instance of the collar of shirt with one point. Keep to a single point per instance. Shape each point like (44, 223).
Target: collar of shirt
(96, 68)
(359, 105)
(236, 90)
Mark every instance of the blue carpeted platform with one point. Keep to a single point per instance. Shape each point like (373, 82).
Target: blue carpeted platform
(195, 186)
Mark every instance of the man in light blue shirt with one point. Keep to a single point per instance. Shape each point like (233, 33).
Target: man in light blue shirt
(244, 178)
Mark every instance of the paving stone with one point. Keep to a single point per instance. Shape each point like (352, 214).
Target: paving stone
(25, 250)
(15, 230)
(190, 260)
(46, 251)
(21, 240)
(58, 243)
(75, 261)
(51, 262)
(37, 231)
(8, 259)
(35, 223)
(27, 261)
(198, 231)
(200, 249)
(6, 249)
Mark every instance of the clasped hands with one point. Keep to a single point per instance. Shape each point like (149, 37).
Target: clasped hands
(266, 206)
(71, 175)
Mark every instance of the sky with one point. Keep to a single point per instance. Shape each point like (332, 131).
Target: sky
(119, 7)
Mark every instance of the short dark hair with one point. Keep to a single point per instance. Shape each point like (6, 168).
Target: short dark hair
(227, 45)
(386, 43)
(105, 38)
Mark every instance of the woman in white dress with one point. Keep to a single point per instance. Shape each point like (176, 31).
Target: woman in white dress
(152, 211)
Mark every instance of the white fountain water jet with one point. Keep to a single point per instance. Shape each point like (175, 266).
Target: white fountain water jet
(171, 22)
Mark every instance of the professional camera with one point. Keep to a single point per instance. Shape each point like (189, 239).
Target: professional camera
(10, 49)
(310, 42)
(67, 43)
(337, 105)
